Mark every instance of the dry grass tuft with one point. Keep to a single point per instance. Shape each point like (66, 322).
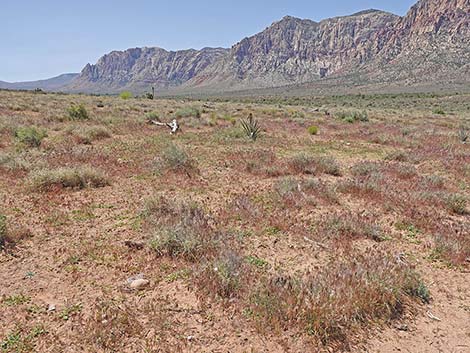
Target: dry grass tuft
(75, 178)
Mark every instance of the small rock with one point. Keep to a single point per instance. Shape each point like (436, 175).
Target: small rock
(51, 307)
(190, 338)
(139, 283)
(402, 327)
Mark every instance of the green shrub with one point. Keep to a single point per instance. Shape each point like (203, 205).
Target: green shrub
(175, 159)
(30, 136)
(351, 117)
(125, 95)
(77, 178)
(439, 111)
(187, 112)
(77, 112)
(313, 130)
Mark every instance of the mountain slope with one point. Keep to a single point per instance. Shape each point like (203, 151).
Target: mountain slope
(430, 43)
(52, 84)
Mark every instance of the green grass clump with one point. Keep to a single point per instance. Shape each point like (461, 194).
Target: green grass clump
(77, 112)
(187, 112)
(30, 136)
(313, 130)
(76, 178)
(125, 95)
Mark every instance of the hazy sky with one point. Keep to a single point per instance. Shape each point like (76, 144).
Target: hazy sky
(44, 38)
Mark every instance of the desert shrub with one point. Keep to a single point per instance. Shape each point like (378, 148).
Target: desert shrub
(313, 130)
(251, 127)
(287, 187)
(89, 134)
(180, 230)
(14, 162)
(30, 136)
(125, 95)
(350, 292)
(223, 276)
(77, 112)
(188, 112)
(398, 156)
(365, 168)
(439, 111)
(456, 203)
(151, 116)
(77, 178)
(328, 165)
(303, 163)
(263, 163)
(351, 117)
(175, 159)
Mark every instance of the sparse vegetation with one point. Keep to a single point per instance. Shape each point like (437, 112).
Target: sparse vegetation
(76, 178)
(305, 242)
(188, 112)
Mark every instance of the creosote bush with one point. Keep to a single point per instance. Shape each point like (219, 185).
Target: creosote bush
(77, 112)
(175, 159)
(76, 178)
(30, 136)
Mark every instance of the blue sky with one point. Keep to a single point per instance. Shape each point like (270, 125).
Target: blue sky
(44, 38)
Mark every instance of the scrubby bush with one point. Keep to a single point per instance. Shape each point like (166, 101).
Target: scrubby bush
(77, 178)
(151, 116)
(175, 159)
(313, 130)
(305, 164)
(456, 203)
(30, 136)
(351, 117)
(125, 95)
(464, 133)
(223, 276)
(439, 111)
(77, 112)
(87, 135)
(187, 112)
(179, 230)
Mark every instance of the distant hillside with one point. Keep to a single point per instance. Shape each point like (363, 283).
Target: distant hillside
(429, 47)
(52, 84)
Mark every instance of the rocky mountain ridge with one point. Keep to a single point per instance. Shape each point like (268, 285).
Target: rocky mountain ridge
(431, 43)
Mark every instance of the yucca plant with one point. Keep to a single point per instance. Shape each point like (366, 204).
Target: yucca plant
(251, 127)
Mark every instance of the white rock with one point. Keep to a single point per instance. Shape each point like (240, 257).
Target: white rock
(139, 283)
